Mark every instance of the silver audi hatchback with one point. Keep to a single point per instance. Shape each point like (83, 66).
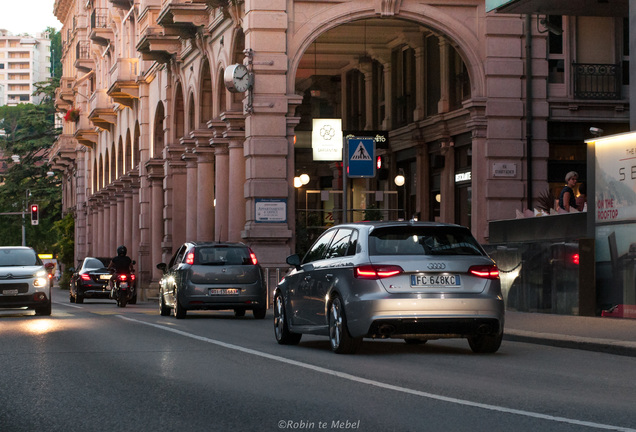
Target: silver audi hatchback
(409, 280)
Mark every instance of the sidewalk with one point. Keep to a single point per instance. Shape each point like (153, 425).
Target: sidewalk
(608, 335)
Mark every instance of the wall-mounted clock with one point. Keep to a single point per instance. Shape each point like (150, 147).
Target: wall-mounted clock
(238, 78)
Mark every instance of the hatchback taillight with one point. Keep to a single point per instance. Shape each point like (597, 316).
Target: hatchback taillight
(253, 257)
(485, 271)
(376, 271)
(190, 258)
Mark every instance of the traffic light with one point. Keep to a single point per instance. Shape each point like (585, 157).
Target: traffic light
(34, 214)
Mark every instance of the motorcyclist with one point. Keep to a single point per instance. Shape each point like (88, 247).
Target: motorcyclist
(121, 263)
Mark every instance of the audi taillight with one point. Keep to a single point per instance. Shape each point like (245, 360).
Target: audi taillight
(377, 271)
(190, 258)
(253, 257)
(485, 271)
(85, 277)
(132, 277)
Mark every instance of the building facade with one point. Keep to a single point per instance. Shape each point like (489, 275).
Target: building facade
(24, 61)
(480, 113)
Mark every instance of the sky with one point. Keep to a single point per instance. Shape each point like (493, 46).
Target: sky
(27, 16)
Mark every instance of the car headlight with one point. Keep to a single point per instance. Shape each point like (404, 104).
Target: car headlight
(40, 282)
(40, 274)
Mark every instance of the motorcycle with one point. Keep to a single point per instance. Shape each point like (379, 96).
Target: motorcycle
(123, 288)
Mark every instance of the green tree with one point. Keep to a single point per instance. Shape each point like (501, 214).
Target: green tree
(65, 246)
(27, 132)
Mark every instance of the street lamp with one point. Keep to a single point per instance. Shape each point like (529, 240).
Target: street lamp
(399, 180)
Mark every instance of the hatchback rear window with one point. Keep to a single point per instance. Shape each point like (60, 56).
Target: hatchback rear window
(222, 255)
(423, 241)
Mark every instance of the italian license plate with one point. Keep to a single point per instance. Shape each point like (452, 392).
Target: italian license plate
(223, 291)
(10, 292)
(104, 277)
(437, 280)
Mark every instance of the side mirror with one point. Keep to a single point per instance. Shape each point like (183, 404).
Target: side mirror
(162, 266)
(294, 260)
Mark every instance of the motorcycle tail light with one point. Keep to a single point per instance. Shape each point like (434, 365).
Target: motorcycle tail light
(122, 277)
(485, 271)
(377, 271)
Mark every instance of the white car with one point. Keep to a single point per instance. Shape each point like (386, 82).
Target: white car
(23, 280)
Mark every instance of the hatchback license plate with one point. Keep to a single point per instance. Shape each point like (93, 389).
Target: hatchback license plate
(225, 291)
(435, 280)
(10, 292)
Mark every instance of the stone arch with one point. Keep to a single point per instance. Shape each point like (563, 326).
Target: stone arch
(128, 161)
(158, 135)
(179, 113)
(191, 115)
(221, 105)
(113, 163)
(205, 100)
(462, 38)
(136, 155)
(120, 159)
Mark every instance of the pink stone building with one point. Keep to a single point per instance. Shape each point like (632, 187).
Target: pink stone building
(482, 113)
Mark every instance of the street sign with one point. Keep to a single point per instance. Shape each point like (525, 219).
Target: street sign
(361, 157)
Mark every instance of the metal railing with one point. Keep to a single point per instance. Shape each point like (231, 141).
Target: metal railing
(597, 81)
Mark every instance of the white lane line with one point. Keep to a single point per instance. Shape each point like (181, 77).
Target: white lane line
(385, 385)
(69, 305)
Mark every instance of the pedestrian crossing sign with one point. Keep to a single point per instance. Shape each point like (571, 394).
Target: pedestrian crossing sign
(361, 151)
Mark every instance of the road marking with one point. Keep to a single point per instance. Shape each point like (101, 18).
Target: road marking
(385, 385)
(69, 305)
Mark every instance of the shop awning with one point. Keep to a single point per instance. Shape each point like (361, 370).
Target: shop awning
(618, 8)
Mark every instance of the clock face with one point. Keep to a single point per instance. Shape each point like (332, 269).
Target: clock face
(238, 78)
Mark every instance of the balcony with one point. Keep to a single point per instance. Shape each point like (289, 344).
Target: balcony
(184, 17)
(64, 94)
(83, 60)
(62, 153)
(85, 133)
(124, 88)
(122, 4)
(102, 112)
(597, 81)
(101, 33)
(156, 45)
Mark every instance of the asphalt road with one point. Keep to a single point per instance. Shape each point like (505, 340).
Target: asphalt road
(96, 367)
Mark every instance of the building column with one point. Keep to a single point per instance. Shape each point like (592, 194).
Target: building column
(443, 104)
(128, 217)
(134, 220)
(155, 179)
(205, 199)
(191, 190)
(235, 134)
(222, 175)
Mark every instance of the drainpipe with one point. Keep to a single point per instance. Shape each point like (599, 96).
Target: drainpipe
(529, 114)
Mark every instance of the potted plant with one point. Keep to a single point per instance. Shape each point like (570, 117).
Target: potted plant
(72, 115)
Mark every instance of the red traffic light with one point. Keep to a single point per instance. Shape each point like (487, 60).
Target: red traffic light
(34, 214)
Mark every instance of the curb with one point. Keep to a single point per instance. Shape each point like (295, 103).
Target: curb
(608, 346)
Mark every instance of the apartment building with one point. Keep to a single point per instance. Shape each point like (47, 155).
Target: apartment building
(24, 61)
(192, 119)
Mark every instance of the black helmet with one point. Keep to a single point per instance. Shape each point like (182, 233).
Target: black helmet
(121, 250)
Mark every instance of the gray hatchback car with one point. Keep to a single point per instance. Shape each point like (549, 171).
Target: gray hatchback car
(23, 280)
(213, 276)
(409, 280)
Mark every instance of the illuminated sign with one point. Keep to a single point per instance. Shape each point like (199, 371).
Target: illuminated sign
(462, 177)
(326, 139)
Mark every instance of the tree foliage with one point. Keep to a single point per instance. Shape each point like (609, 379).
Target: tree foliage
(28, 132)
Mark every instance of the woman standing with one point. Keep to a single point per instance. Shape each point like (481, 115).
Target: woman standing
(567, 199)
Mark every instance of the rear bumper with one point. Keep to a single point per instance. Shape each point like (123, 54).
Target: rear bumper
(198, 297)
(426, 318)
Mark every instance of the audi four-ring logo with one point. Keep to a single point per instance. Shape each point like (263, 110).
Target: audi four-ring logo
(436, 266)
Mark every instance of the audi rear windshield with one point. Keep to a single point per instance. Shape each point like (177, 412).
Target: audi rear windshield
(418, 240)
